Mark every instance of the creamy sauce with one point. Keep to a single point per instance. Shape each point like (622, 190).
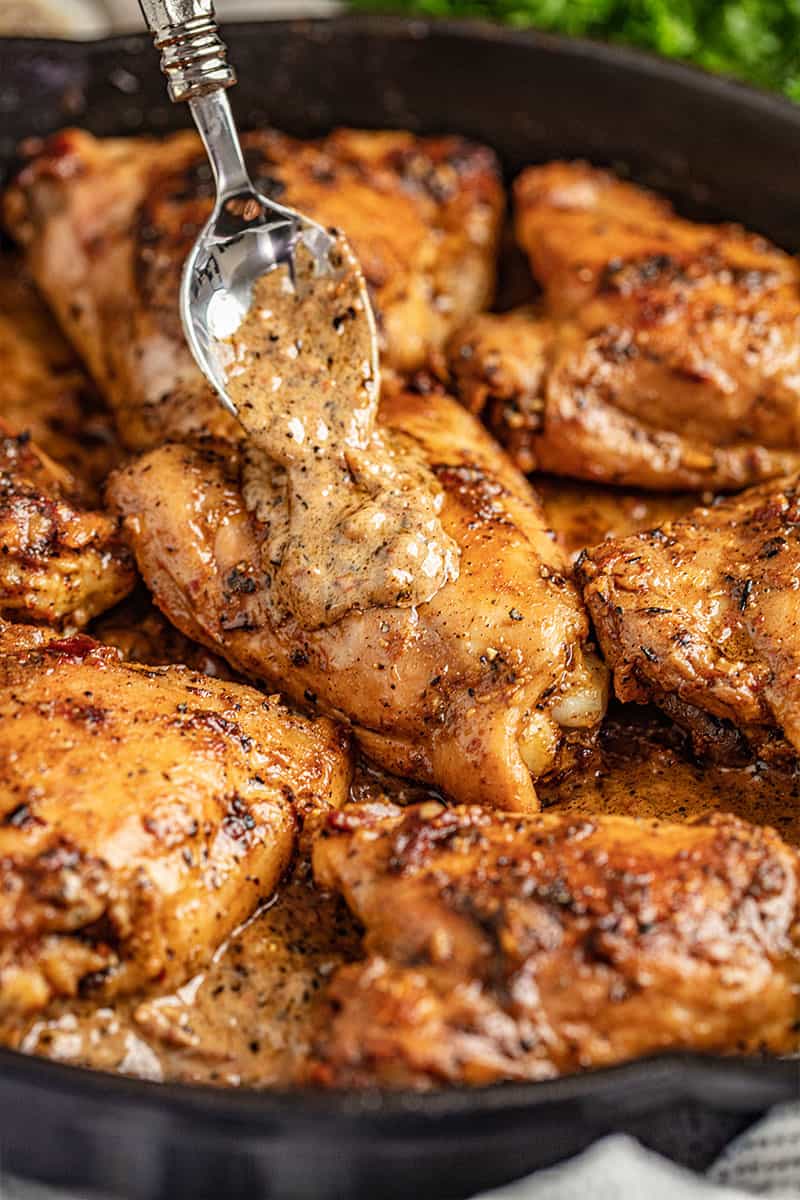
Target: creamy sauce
(245, 1021)
(352, 513)
(644, 768)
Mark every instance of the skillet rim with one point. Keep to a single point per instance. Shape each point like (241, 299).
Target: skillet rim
(419, 27)
(731, 1083)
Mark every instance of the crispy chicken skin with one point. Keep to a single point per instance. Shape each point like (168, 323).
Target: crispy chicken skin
(665, 355)
(509, 947)
(106, 225)
(476, 691)
(62, 562)
(701, 616)
(44, 392)
(145, 813)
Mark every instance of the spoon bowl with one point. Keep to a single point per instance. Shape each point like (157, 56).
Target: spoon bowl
(245, 238)
(247, 235)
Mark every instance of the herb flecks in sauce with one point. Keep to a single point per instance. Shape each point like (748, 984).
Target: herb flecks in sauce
(352, 512)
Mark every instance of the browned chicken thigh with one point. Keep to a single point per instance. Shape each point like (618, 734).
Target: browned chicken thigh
(106, 225)
(665, 354)
(44, 392)
(508, 947)
(62, 559)
(701, 616)
(478, 691)
(144, 813)
(62, 562)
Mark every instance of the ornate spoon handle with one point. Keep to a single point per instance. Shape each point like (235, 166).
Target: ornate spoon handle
(193, 55)
(194, 60)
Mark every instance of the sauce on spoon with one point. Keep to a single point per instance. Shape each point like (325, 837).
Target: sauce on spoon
(352, 511)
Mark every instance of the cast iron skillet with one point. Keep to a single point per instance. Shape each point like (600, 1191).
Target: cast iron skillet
(719, 150)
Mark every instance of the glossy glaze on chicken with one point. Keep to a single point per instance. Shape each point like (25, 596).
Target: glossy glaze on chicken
(355, 885)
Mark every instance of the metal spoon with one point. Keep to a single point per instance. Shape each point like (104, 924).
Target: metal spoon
(247, 235)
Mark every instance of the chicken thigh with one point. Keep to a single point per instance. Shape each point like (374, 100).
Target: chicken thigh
(144, 813)
(44, 392)
(701, 616)
(107, 224)
(665, 354)
(486, 686)
(509, 947)
(62, 562)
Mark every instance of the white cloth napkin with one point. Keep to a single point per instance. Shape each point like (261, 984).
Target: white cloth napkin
(764, 1161)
